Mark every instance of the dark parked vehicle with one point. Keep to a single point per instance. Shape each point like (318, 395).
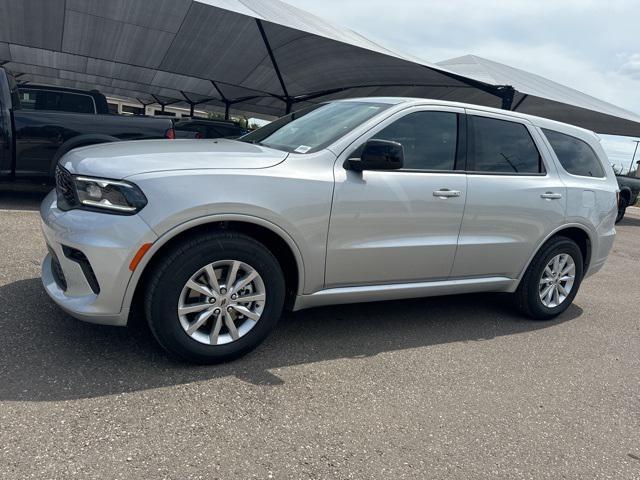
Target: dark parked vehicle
(42, 97)
(204, 128)
(629, 191)
(32, 141)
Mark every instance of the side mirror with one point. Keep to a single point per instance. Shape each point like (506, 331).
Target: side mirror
(378, 155)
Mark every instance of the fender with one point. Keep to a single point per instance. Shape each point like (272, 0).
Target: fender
(178, 229)
(77, 142)
(554, 232)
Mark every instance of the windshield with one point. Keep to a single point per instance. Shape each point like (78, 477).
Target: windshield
(315, 128)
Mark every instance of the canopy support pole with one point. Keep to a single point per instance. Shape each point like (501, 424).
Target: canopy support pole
(633, 158)
(507, 93)
(229, 103)
(192, 104)
(515, 107)
(163, 104)
(144, 105)
(223, 99)
(222, 95)
(288, 99)
(503, 92)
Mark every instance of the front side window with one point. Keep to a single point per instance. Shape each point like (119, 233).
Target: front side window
(317, 128)
(575, 156)
(500, 146)
(429, 139)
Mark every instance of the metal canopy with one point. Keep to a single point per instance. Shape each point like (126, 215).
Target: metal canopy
(540, 96)
(261, 56)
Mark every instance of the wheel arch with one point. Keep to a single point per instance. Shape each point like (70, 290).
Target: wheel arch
(576, 232)
(277, 240)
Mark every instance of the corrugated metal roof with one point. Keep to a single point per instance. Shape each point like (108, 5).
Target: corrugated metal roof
(538, 95)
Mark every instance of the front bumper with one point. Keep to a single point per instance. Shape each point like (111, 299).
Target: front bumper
(109, 243)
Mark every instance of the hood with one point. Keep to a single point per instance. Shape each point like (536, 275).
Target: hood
(119, 160)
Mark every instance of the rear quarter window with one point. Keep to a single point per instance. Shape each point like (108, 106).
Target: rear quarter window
(575, 155)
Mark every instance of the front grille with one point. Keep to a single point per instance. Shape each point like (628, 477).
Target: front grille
(56, 270)
(65, 189)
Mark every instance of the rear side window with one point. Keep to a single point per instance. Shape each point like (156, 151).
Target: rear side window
(500, 146)
(575, 156)
(35, 99)
(70, 102)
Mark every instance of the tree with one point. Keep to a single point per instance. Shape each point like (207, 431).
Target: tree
(617, 169)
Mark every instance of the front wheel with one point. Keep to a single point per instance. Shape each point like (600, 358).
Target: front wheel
(214, 297)
(552, 280)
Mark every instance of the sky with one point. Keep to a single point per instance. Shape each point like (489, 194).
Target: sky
(590, 45)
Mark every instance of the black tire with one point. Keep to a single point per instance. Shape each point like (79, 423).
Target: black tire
(173, 270)
(622, 209)
(528, 296)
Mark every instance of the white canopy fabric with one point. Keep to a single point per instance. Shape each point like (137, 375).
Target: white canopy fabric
(263, 57)
(540, 96)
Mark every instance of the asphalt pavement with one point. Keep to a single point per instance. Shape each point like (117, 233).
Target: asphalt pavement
(456, 387)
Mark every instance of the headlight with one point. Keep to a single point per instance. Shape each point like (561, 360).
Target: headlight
(109, 195)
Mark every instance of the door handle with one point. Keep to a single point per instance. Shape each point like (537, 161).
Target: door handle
(551, 196)
(446, 193)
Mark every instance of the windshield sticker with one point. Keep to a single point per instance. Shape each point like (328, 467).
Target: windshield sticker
(302, 149)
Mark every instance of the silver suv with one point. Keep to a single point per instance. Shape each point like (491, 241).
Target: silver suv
(349, 201)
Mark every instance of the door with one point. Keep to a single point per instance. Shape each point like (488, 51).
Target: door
(515, 197)
(39, 135)
(400, 226)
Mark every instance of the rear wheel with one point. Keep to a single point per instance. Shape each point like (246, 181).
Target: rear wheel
(552, 280)
(622, 209)
(214, 297)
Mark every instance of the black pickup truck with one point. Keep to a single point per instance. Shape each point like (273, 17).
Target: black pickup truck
(32, 141)
(629, 191)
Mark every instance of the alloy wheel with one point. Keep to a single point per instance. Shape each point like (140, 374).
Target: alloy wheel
(221, 302)
(557, 280)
